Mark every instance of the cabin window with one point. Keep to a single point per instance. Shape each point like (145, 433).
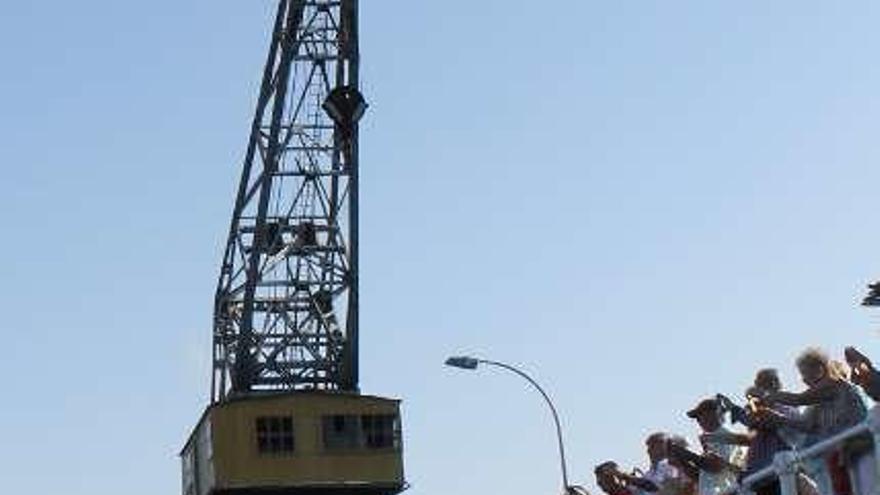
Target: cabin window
(341, 432)
(380, 431)
(275, 435)
(368, 431)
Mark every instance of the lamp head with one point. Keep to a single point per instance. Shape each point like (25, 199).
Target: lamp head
(345, 105)
(463, 362)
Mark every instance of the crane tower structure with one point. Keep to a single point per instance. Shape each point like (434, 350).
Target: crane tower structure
(286, 415)
(286, 306)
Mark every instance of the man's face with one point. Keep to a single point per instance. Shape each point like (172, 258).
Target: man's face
(811, 374)
(771, 384)
(708, 420)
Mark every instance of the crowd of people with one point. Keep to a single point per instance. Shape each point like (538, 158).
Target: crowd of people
(771, 421)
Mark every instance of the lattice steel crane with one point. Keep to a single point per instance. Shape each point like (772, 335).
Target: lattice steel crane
(286, 414)
(286, 307)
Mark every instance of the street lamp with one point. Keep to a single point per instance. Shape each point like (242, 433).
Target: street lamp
(471, 363)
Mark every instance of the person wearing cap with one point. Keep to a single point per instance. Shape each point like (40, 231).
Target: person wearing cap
(721, 460)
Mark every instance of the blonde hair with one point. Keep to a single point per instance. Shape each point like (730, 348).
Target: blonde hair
(838, 370)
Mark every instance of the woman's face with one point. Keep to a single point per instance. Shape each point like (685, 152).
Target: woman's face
(709, 421)
(812, 374)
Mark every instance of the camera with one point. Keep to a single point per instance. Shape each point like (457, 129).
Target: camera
(726, 405)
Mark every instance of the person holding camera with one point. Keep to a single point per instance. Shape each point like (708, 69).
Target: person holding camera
(767, 436)
(717, 467)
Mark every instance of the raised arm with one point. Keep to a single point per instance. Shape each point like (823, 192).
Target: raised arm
(814, 395)
(707, 462)
(689, 469)
(802, 422)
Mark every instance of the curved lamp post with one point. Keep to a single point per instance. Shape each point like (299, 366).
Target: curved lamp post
(471, 363)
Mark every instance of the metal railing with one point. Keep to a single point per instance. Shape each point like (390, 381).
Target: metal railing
(786, 465)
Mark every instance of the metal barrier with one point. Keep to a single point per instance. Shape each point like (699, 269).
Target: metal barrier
(786, 465)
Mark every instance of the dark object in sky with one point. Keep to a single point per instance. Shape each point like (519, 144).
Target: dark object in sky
(873, 297)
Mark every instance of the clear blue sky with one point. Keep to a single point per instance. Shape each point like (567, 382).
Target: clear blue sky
(641, 202)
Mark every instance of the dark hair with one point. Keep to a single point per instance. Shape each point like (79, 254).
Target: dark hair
(838, 370)
(768, 379)
(605, 465)
(656, 437)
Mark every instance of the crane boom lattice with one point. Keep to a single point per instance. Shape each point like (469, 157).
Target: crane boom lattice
(286, 305)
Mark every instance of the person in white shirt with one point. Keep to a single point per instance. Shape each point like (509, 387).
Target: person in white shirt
(721, 459)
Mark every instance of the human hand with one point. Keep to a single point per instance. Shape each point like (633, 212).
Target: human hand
(860, 364)
(765, 418)
(725, 402)
(854, 357)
